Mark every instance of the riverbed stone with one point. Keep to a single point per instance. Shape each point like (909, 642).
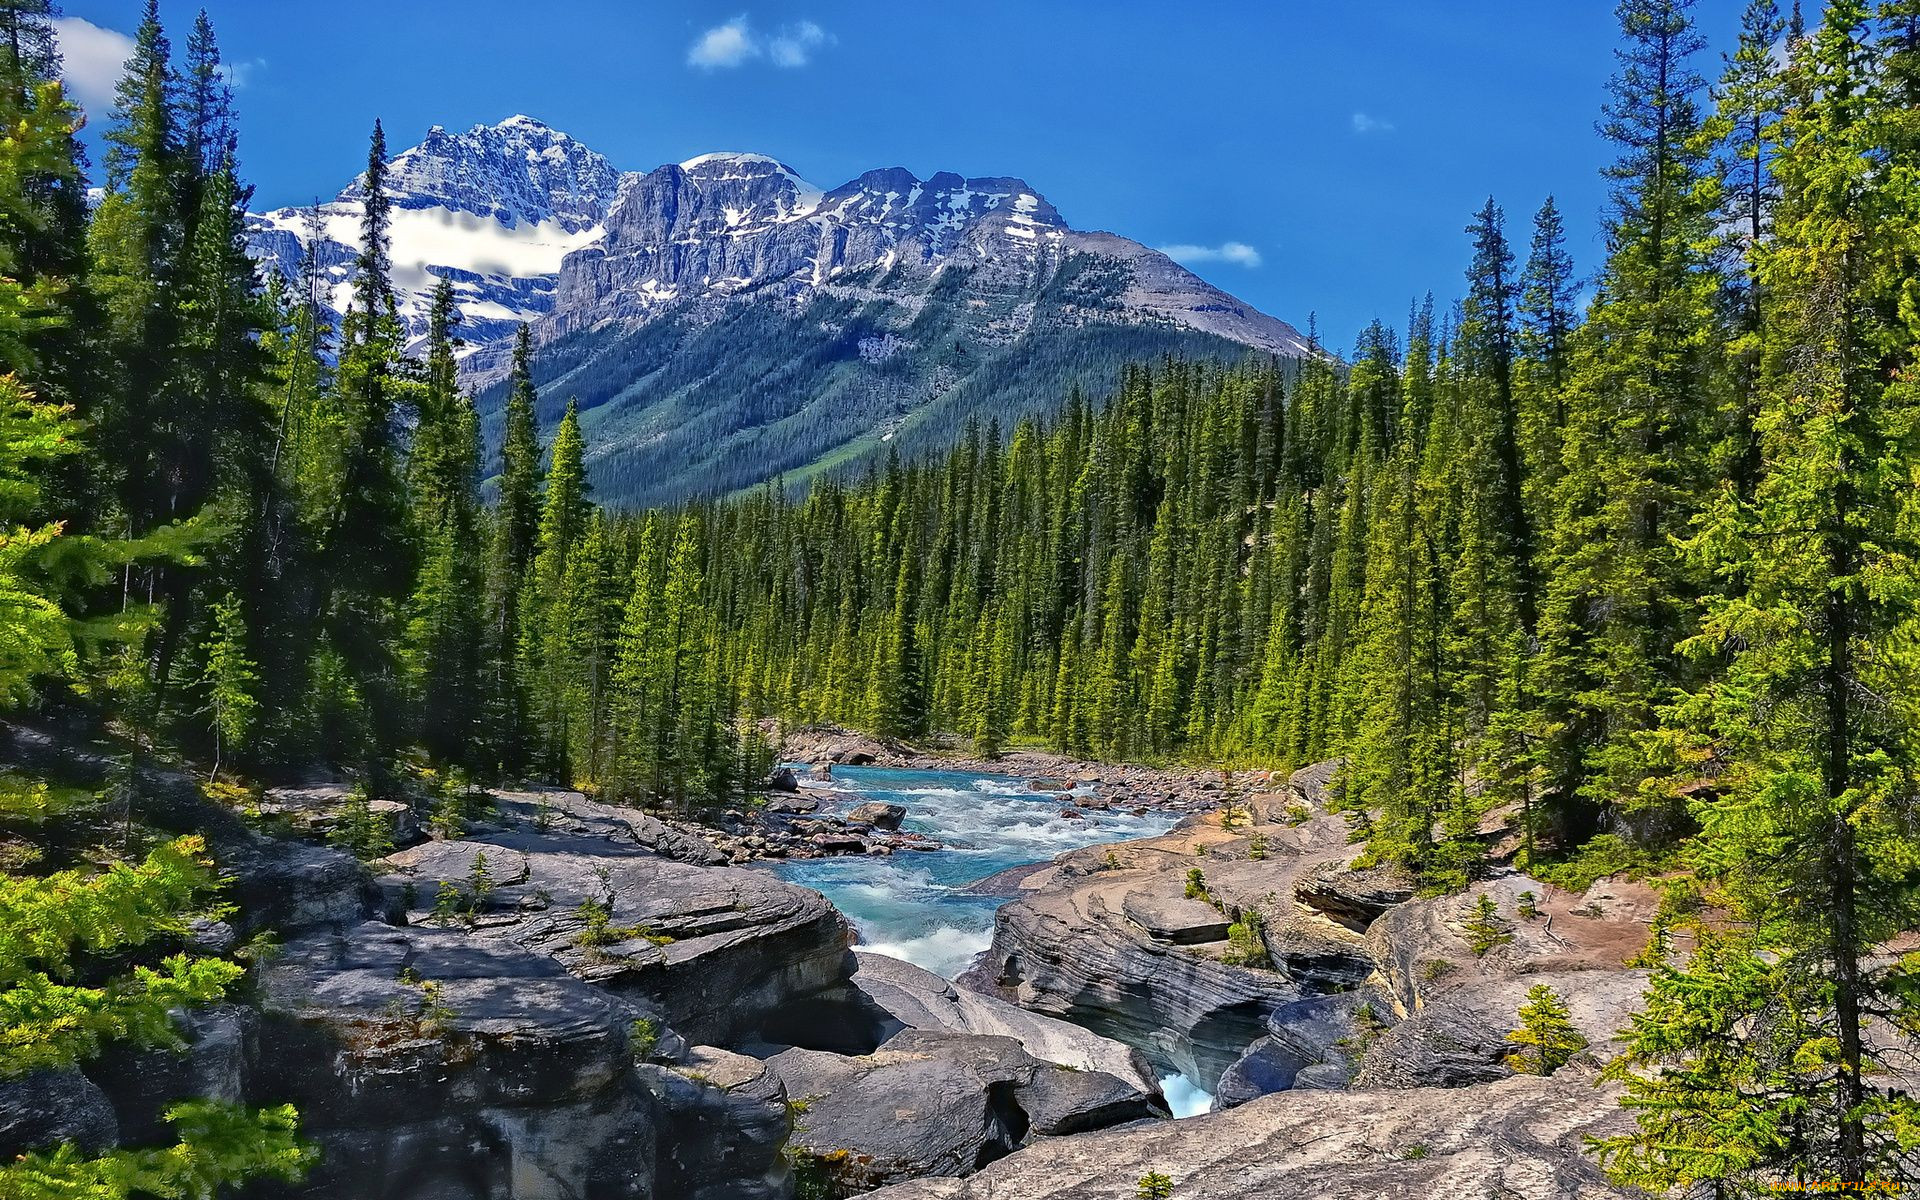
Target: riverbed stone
(878, 814)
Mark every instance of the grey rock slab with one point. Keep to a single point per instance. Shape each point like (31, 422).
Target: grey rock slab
(1519, 1138)
(919, 999)
(1175, 919)
(713, 950)
(935, 1103)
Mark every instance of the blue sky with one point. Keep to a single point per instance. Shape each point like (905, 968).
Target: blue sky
(1303, 156)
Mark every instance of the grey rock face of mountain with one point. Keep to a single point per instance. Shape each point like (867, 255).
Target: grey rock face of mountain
(529, 224)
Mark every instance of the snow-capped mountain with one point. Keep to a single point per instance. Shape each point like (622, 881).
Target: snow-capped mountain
(494, 210)
(722, 320)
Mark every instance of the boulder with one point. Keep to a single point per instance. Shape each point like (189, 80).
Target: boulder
(1330, 1031)
(317, 808)
(935, 1103)
(211, 1064)
(783, 780)
(909, 997)
(717, 1091)
(877, 814)
(713, 951)
(668, 842)
(1041, 783)
(1423, 952)
(1522, 1137)
(1460, 1037)
(793, 805)
(821, 772)
(838, 843)
(1353, 898)
(439, 1063)
(1106, 937)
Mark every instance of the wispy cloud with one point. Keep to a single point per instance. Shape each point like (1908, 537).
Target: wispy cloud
(1238, 253)
(738, 42)
(95, 57)
(239, 74)
(1365, 123)
(794, 45)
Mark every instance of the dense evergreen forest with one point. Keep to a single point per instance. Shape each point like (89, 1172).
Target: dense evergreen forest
(1631, 557)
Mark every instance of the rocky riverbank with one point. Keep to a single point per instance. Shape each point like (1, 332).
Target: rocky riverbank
(1108, 785)
(1356, 1035)
(569, 999)
(576, 999)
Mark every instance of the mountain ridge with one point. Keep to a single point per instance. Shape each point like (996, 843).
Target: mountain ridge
(884, 296)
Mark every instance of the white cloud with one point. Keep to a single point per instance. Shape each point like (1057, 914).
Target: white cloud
(1364, 123)
(726, 45)
(794, 45)
(95, 57)
(737, 42)
(1238, 253)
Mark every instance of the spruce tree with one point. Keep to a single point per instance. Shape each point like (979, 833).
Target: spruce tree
(514, 527)
(1636, 441)
(547, 623)
(367, 558)
(1808, 829)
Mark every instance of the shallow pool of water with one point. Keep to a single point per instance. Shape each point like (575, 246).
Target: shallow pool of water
(913, 905)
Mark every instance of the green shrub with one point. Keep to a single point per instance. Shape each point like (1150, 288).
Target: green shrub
(1485, 927)
(1245, 946)
(644, 1037)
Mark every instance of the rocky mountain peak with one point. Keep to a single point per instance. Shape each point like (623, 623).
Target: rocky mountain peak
(520, 171)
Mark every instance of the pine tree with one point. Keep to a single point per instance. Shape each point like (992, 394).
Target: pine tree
(1635, 448)
(514, 529)
(367, 559)
(231, 681)
(1546, 1034)
(1749, 102)
(1547, 317)
(1487, 335)
(444, 630)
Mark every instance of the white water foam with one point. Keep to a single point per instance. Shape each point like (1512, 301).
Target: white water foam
(1184, 1096)
(945, 952)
